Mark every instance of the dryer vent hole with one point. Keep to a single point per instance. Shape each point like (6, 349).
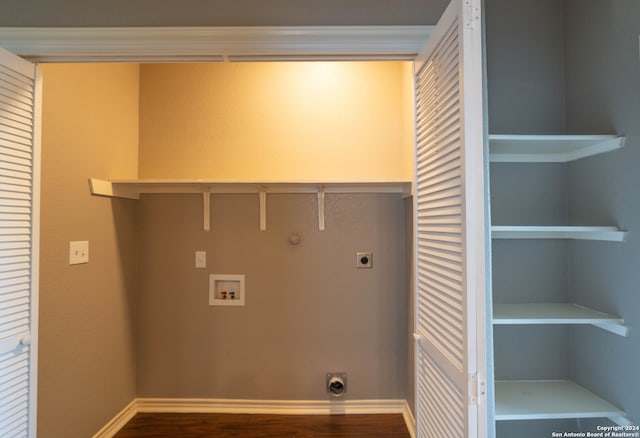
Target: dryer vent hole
(336, 384)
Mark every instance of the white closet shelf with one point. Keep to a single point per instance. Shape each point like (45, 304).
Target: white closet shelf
(549, 148)
(132, 189)
(551, 399)
(557, 313)
(558, 232)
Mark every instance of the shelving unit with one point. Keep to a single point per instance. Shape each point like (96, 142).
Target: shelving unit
(556, 313)
(558, 232)
(132, 189)
(549, 148)
(551, 399)
(558, 399)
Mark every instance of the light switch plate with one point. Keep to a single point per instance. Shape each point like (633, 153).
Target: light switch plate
(201, 259)
(78, 252)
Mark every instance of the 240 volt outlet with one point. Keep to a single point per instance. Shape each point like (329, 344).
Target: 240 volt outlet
(364, 260)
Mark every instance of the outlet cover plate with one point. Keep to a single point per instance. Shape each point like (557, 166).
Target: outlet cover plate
(201, 259)
(78, 252)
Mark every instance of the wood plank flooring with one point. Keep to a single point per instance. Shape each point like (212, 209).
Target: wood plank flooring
(261, 426)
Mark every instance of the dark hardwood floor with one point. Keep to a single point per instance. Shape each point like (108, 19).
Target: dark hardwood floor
(260, 426)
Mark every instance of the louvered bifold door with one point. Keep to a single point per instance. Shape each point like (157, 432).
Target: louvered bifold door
(19, 119)
(449, 233)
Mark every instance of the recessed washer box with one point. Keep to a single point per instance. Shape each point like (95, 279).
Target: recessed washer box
(226, 290)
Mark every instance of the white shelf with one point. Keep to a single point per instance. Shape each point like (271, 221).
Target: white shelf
(557, 313)
(132, 189)
(558, 232)
(549, 148)
(551, 399)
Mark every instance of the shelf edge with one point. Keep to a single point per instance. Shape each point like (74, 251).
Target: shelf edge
(126, 188)
(612, 234)
(605, 143)
(99, 187)
(606, 322)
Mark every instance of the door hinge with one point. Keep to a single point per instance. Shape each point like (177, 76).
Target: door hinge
(477, 389)
(472, 12)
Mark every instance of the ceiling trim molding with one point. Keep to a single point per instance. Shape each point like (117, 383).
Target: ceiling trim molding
(175, 44)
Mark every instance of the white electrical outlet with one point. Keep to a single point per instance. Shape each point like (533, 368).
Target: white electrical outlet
(78, 252)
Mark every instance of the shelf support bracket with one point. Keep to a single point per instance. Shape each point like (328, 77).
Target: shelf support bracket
(263, 210)
(206, 210)
(616, 328)
(321, 208)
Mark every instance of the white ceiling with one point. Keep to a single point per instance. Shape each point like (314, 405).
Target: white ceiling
(117, 13)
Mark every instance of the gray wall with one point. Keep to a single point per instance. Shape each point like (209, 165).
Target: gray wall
(603, 96)
(409, 262)
(525, 80)
(525, 66)
(86, 357)
(525, 95)
(308, 309)
(219, 12)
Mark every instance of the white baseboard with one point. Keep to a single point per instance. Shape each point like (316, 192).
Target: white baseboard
(285, 407)
(236, 406)
(409, 420)
(118, 422)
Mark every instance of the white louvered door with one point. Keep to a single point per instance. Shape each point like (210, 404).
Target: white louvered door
(450, 228)
(19, 220)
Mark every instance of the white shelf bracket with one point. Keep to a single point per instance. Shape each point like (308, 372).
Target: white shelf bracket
(321, 208)
(263, 211)
(206, 210)
(616, 328)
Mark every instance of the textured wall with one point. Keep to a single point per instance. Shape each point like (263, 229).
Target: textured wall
(603, 97)
(324, 316)
(87, 345)
(273, 121)
(308, 309)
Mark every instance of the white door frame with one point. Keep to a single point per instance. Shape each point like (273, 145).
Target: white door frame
(180, 44)
(217, 44)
